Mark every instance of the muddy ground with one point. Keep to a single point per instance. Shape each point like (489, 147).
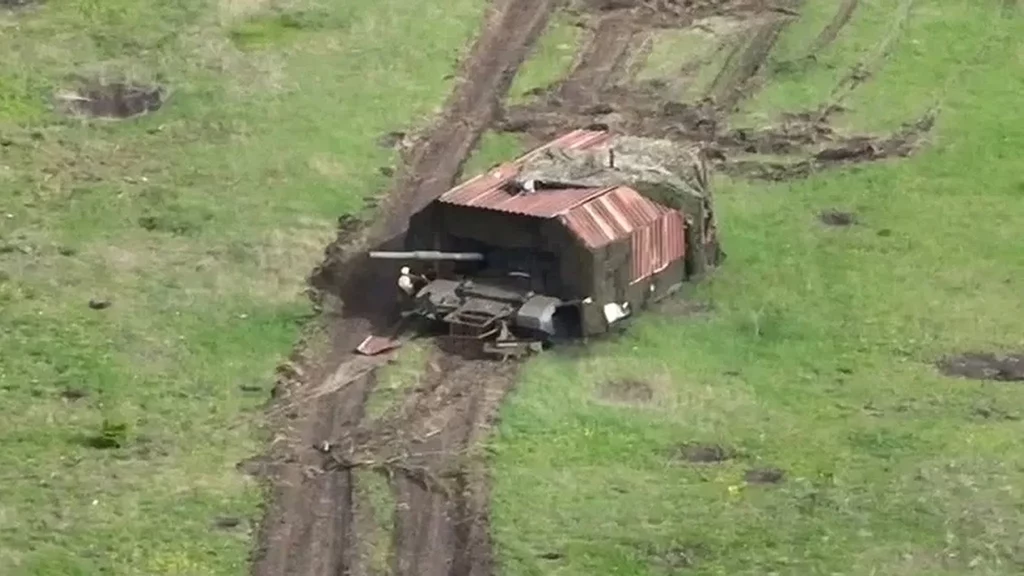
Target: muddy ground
(320, 520)
(603, 91)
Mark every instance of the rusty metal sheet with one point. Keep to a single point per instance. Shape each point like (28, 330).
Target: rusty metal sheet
(487, 190)
(546, 204)
(658, 245)
(612, 216)
(373, 345)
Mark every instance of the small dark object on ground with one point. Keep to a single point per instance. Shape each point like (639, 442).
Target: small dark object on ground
(391, 139)
(984, 366)
(66, 251)
(99, 304)
(995, 413)
(705, 453)
(836, 218)
(226, 522)
(116, 100)
(250, 388)
(386, 171)
(73, 394)
(627, 391)
(255, 466)
(765, 475)
(112, 435)
(551, 556)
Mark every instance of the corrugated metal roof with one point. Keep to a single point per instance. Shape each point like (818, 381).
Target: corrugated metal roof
(488, 190)
(597, 216)
(543, 204)
(614, 214)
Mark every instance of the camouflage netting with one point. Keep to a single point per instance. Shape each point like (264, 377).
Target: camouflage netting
(663, 171)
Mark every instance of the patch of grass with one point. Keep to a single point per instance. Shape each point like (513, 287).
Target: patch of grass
(796, 84)
(687, 60)
(494, 148)
(198, 223)
(394, 379)
(817, 360)
(276, 28)
(551, 59)
(375, 492)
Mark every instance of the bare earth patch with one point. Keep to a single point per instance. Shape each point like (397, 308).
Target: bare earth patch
(984, 366)
(765, 476)
(837, 218)
(114, 100)
(627, 391)
(704, 453)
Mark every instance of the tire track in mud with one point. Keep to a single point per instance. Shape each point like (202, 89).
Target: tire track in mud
(441, 524)
(310, 526)
(601, 60)
(744, 62)
(596, 94)
(829, 34)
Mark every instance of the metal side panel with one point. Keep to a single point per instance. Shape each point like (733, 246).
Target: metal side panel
(538, 313)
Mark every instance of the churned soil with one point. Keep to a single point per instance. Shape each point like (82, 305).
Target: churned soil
(602, 91)
(984, 366)
(114, 100)
(317, 522)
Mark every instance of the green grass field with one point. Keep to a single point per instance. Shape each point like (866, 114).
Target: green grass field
(199, 224)
(817, 357)
(121, 427)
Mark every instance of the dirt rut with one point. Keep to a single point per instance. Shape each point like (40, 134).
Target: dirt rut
(602, 91)
(311, 527)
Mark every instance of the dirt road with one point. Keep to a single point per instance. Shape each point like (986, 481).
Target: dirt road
(314, 524)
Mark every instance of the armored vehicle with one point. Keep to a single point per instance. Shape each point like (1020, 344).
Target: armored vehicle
(563, 243)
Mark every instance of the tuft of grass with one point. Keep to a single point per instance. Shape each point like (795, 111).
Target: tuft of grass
(394, 379)
(197, 224)
(375, 493)
(551, 59)
(817, 358)
(493, 149)
(271, 29)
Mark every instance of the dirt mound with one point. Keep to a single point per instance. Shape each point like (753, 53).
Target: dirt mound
(626, 391)
(765, 476)
(984, 366)
(837, 218)
(114, 100)
(705, 453)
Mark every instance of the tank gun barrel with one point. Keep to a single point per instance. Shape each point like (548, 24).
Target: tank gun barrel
(428, 255)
